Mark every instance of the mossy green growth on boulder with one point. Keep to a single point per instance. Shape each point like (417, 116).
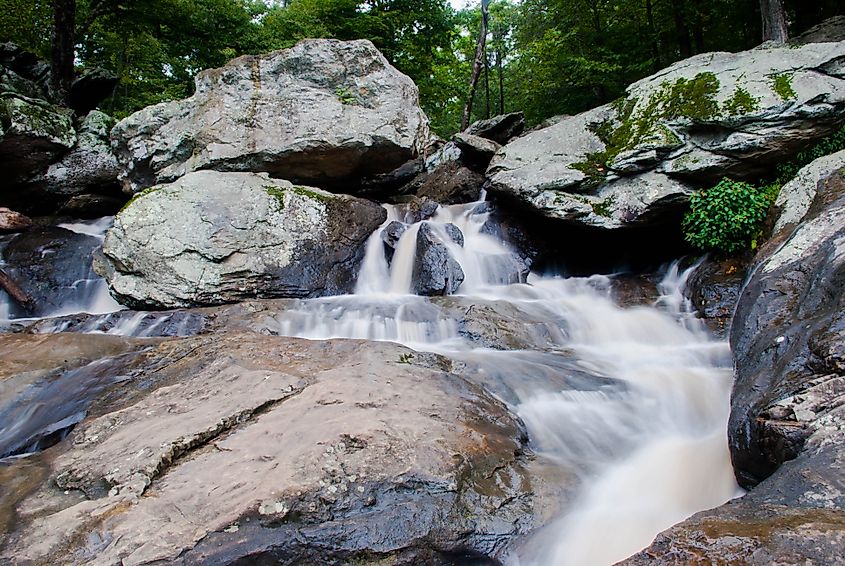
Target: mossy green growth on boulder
(741, 102)
(782, 85)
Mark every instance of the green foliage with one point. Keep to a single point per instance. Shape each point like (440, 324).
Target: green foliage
(277, 194)
(782, 85)
(741, 102)
(726, 218)
(345, 96)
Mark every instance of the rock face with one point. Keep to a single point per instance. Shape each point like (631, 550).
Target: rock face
(786, 434)
(214, 237)
(243, 447)
(90, 166)
(49, 264)
(32, 134)
(324, 112)
(715, 114)
(451, 183)
(436, 272)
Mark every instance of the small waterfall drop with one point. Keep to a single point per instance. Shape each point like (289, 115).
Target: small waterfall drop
(85, 292)
(631, 402)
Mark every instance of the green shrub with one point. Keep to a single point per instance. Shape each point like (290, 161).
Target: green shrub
(726, 218)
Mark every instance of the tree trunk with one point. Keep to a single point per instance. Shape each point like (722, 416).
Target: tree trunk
(500, 72)
(61, 68)
(15, 292)
(477, 64)
(698, 27)
(681, 29)
(774, 21)
(486, 85)
(652, 32)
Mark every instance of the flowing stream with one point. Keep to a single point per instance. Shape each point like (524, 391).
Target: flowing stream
(630, 402)
(627, 406)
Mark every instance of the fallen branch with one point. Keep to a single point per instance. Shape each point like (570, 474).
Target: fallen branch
(14, 290)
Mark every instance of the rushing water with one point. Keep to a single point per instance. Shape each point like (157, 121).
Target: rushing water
(629, 404)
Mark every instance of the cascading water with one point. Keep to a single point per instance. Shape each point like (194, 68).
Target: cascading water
(631, 404)
(85, 291)
(627, 407)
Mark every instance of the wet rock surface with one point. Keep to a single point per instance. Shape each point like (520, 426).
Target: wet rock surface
(213, 238)
(49, 264)
(714, 290)
(330, 451)
(436, 272)
(451, 183)
(347, 114)
(785, 431)
(11, 221)
(500, 129)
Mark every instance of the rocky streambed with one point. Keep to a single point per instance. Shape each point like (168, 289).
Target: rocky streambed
(309, 376)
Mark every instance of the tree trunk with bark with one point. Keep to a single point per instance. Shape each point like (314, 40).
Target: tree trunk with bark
(679, 14)
(774, 21)
(477, 64)
(63, 53)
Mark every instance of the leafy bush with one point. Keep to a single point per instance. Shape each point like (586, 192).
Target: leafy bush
(726, 218)
(831, 144)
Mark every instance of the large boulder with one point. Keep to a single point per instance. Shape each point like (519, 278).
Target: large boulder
(788, 404)
(246, 448)
(324, 112)
(637, 160)
(215, 237)
(89, 167)
(32, 134)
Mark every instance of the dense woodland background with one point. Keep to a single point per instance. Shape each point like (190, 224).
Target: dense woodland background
(545, 57)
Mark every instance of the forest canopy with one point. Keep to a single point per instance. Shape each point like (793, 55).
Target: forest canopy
(545, 57)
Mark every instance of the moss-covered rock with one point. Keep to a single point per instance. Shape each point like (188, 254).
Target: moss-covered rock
(689, 125)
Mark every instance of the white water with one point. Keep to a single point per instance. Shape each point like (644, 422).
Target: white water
(88, 293)
(633, 403)
(630, 405)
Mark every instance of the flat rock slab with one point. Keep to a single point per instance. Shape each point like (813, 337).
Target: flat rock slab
(636, 161)
(278, 449)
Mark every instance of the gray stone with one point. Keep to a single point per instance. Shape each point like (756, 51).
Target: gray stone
(89, 167)
(215, 237)
(436, 272)
(447, 153)
(763, 106)
(476, 149)
(795, 197)
(32, 134)
(501, 129)
(829, 31)
(450, 183)
(248, 447)
(323, 112)
(390, 236)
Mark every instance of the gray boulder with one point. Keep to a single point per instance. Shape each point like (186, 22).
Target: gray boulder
(323, 112)
(32, 134)
(451, 183)
(436, 272)
(214, 237)
(788, 403)
(712, 115)
(476, 149)
(89, 167)
(500, 129)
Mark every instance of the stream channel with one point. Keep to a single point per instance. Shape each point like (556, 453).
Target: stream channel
(629, 405)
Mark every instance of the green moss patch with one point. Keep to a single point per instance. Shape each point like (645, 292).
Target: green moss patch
(637, 122)
(138, 195)
(741, 102)
(782, 85)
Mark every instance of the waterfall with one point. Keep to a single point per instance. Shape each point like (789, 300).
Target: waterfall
(631, 402)
(629, 406)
